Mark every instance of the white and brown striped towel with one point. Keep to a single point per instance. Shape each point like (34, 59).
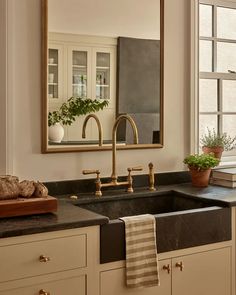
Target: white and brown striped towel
(141, 251)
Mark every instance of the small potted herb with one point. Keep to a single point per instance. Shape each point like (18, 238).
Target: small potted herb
(68, 112)
(217, 143)
(200, 168)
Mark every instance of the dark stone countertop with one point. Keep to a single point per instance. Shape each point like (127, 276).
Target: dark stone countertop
(69, 216)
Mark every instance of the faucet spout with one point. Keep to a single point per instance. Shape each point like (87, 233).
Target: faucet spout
(100, 131)
(114, 131)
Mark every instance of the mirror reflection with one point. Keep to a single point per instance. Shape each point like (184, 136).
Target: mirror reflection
(103, 61)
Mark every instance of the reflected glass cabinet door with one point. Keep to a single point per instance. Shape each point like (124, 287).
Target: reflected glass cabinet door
(55, 70)
(103, 75)
(79, 73)
(53, 73)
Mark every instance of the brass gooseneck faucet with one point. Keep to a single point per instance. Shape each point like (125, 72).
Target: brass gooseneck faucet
(114, 131)
(114, 178)
(100, 131)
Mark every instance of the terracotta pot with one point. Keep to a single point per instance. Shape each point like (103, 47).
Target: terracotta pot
(217, 151)
(200, 178)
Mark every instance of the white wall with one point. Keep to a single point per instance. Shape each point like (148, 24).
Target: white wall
(24, 74)
(130, 18)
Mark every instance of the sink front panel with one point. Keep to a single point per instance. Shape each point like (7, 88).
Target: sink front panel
(174, 231)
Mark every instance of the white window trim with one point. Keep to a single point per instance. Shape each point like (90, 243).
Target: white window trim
(227, 161)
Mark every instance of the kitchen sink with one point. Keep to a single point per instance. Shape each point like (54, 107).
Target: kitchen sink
(182, 221)
(155, 204)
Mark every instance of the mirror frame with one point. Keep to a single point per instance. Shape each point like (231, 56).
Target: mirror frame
(44, 93)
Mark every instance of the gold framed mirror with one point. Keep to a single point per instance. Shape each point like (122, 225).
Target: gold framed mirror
(101, 59)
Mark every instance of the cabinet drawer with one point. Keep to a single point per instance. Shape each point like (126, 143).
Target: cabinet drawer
(23, 260)
(70, 286)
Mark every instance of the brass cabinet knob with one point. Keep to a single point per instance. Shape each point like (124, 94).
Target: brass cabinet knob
(43, 292)
(180, 265)
(43, 258)
(166, 267)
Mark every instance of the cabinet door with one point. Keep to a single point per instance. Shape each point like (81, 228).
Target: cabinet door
(206, 273)
(104, 87)
(70, 286)
(55, 73)
(79, 72)
(78, 85)
(113, 282)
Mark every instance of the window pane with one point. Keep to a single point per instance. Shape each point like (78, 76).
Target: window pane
(229, 96)
(226, 23)
(229, 124)
(226, 57)
(208, 95)
(205, 56)
(205, 21)
(207, 121)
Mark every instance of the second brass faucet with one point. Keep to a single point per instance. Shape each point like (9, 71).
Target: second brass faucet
(100, 131)
(114, 178)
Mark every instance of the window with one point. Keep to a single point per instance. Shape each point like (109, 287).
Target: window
(217, 67)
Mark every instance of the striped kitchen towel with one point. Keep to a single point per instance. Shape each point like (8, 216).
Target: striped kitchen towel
(141, 251)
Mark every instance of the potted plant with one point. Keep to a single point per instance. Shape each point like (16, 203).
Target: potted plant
(200, 168)
(68, 112)
(217, 143)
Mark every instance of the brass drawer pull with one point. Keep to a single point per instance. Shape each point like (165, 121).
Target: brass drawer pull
(180, 265)
(166, 267)
(43, 292)
(43, 258)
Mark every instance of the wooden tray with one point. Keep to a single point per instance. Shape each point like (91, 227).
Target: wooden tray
(23, 206)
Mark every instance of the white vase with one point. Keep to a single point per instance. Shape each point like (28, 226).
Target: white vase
(56, 133)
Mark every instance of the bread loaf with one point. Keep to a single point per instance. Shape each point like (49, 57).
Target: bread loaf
(9, 187)
(26, 188)
(40, 190)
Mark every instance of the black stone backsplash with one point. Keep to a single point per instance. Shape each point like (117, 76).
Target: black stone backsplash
(88, 185)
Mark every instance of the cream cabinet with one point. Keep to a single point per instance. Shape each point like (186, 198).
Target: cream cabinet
(54, 263)
(82, 66)
(113, 282)
(204, 273)
(67, 262)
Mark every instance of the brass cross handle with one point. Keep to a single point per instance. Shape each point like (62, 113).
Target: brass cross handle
(43, 292)
(180, 265)
(98, 192)
(166, 267)
(43, 258)
(130, 180)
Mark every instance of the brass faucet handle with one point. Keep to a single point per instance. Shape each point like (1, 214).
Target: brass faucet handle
(86, 172)
(138, 168)
(151, 177)
(98, 183)
(130, 180)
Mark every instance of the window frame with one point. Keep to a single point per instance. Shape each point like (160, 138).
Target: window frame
(228, 158)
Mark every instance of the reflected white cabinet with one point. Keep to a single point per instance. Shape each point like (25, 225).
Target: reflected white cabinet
(84, 67)
(204, 273)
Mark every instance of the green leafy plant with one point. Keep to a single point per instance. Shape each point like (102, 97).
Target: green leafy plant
(74, 107)
(201, 162)
(212, 140)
